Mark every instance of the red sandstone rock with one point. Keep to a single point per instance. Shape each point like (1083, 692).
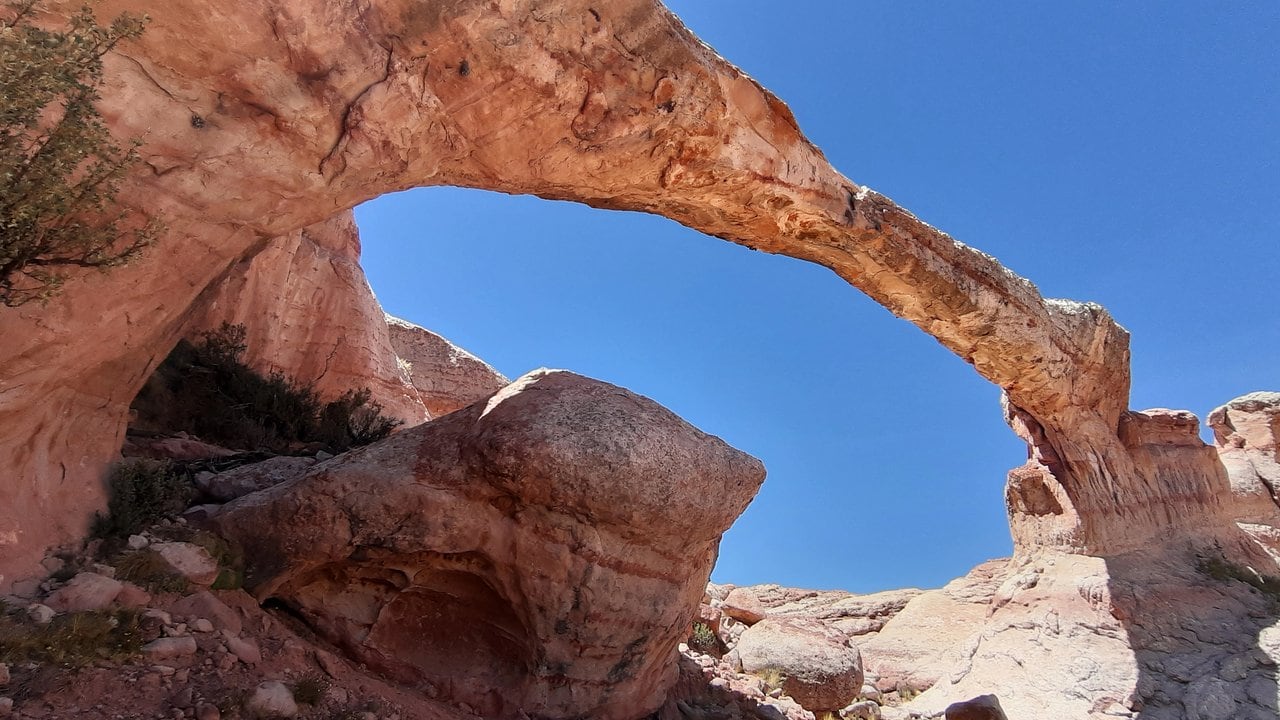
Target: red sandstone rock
(742, 604)
(309, 314)
(822, 670)
(544, 549)
(446, 377)
(618, 108)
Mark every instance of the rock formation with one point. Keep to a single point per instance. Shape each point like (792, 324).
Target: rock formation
(308, 313)
(265, 120)
(542, 551)
(446, 377)
(620, 107)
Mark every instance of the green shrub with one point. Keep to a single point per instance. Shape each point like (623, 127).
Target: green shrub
(141, 493)
(205, 389)
(59, 167)
(74, 639)
(703, 638)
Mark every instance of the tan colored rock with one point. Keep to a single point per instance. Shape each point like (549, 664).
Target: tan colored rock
(206, 605)
(308, 313)
(618, 108)
(446, 377)
(742, 605)
(822, 670)
(914, 646)
(1245, 431)
(86, 591)
(850, 613)
(169, 648)
(545, 549)
(190, 561)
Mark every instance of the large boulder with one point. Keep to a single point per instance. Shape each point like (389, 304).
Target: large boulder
(544, 550)
(820, 667)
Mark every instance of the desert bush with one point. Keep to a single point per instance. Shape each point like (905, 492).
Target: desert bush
(59, 166)
(141, 493)
(703, 638)
(74, 639)
(146, 569)
(310, 690)
(205, 388)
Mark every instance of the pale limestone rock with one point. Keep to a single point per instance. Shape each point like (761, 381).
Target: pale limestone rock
(40, 614)
(245, 649)
(544, 549)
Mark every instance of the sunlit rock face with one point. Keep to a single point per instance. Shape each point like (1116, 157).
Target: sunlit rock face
(445, 376)
(543, 550)
(309, 314)
(264, 117)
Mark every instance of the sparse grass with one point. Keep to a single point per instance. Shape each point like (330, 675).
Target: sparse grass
(310, 690)
(1221, 570)
(773, 679)
(146, 569)
(703, 638)
(140, 494)
(72, 640)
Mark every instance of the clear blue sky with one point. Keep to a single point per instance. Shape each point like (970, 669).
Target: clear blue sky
(1122, 152)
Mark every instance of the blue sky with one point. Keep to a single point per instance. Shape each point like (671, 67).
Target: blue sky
(1122, 152)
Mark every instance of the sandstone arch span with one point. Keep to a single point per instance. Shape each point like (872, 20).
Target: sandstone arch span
(306, 108)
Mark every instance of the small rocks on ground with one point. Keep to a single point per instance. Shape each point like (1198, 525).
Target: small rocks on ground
(272, 698)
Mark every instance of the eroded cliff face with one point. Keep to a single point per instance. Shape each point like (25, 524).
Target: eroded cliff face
(308, 313)
(263, 117)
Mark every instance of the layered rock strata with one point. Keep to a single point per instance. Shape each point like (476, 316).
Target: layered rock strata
(541, 552)
(261, 118)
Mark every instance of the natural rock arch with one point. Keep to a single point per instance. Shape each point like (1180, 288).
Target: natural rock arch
(306, 108)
